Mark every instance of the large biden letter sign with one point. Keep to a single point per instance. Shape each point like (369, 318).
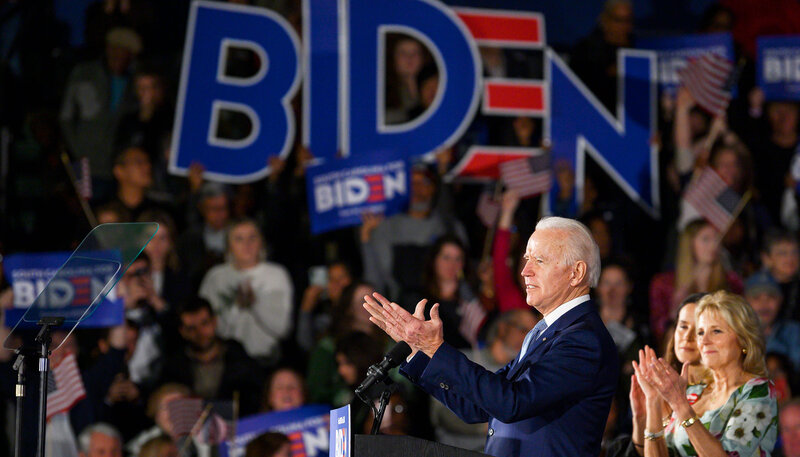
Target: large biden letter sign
(342, 63)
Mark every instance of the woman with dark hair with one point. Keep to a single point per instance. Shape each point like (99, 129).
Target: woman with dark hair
(681, 349)
(443, 282)
(681, 344)
(165, 281)
(324, 383)
(314, 317)
(408, 57)
(284, 390)
(166, 273)
(347, 313)
(355, 353)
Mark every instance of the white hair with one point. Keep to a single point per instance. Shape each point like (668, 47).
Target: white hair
(85, 438)
(580, 245)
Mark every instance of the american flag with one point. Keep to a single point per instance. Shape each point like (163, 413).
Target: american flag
(712, 198)
(708, 79)
(185, 414)
(472, 317)
(488, 209)
(216, 430)
(83, 177)
(528, 176)
(64, 386)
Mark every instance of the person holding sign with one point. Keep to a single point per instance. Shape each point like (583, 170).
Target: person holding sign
(554, 397)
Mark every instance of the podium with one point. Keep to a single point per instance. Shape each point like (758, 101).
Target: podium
(404, 446)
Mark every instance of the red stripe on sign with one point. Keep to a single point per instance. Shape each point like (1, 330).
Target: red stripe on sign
(371, 178)
(515, 96)
(503, 27)
(485, 162)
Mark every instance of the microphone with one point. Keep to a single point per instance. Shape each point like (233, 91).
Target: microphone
(380, 371)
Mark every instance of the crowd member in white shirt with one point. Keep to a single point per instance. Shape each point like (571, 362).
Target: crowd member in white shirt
(252, 297)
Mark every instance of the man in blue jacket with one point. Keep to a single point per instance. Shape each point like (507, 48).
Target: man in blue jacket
(553, 398)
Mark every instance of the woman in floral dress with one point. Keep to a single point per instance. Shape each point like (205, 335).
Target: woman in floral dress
(734, 415)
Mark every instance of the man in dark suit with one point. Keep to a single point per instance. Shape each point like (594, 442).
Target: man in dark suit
(213, 367)
(554, 397)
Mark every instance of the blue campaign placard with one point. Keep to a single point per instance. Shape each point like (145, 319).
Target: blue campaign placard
(72, 291)
(306, 428)
(339, 191)
(675, 52)
(340, 432)
(778, 67)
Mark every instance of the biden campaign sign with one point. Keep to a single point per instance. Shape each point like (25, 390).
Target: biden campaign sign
(778, 67)
(340, 432)
(342, 65)
(675, 52)
(72, 292)
(340, 191)
(306, 428)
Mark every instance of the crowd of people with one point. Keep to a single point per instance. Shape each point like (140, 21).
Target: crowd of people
(235, 298)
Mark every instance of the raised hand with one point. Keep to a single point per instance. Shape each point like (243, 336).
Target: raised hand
(195, 176)
(370, 222)
(637, 399)
(670, 385)
(684, 98)
(400, 325)
(380, 316)
(508, 207)
(644, 377)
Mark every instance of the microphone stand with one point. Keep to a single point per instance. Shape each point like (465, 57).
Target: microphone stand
(19, 367)
(389, 388)
(44, 338)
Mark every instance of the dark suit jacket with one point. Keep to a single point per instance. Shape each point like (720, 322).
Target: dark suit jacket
(554, 402)
(241, 373)
(194, 255)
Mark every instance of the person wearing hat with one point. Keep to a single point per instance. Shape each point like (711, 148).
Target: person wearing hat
(782, 335)
(97, 94)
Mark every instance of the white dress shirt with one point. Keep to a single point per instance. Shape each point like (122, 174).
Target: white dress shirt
(553, 316)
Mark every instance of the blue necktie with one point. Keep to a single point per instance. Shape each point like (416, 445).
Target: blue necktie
(531, 336)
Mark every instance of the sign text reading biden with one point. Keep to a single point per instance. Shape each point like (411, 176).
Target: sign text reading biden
(778, 68)
(340, 191)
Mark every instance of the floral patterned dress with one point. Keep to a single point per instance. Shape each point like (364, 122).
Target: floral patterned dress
(746, 425)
